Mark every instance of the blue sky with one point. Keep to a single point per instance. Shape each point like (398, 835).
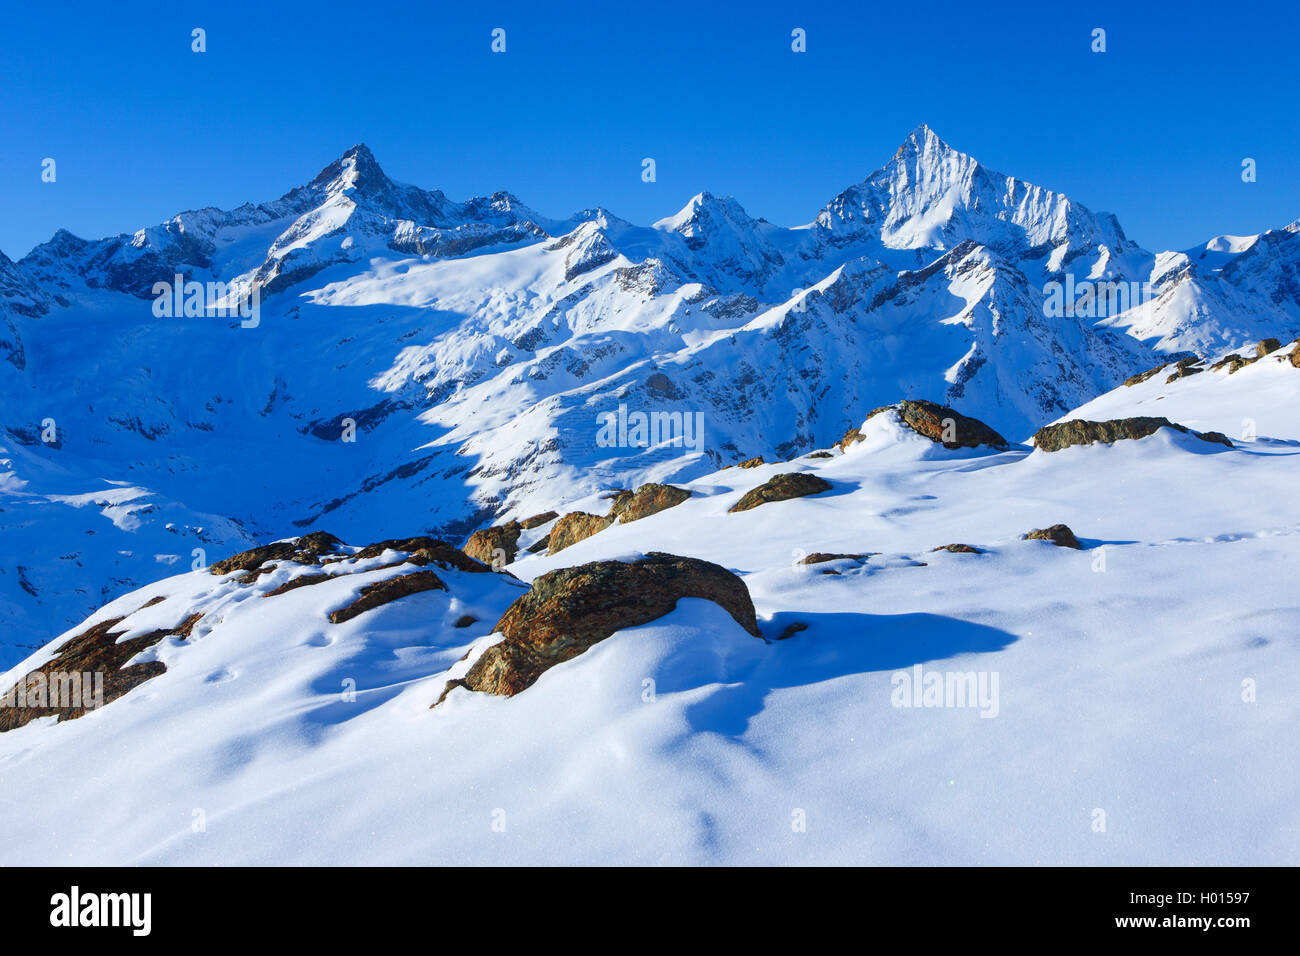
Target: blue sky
(1154, 130)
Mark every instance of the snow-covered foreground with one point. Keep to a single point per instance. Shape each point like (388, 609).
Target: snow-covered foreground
(1140, 703)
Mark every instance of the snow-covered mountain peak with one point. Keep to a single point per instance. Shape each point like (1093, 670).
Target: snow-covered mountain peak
(932, 196)
(357, 168)
(702, 213)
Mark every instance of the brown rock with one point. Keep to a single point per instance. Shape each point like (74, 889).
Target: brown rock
(1185, 372)
(1059, 534)
(529, 524)
(1233, 363)
(1079, 432)
(945, 426)
(304, 550)
(425, 550)
(1266, 346)
(484, 544)
(819, 557)
(1143, 376)
(820, 454)
(795, 484)
(791, 630)
(958, 548)
(751, 462)
(387, 591)
(850, 436)
(73, 675)
(649, 499)
(569, 610)
(465, 620)
(574, 527)
(301, 581)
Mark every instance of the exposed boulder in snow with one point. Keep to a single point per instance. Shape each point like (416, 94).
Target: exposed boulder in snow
(485, 543)
(574, 527)
(304, 550)
(98, 663)
(388, 590)
(649, 499)
(536, 521)
(750, 462)
(942, 425)
(1232, 362)
(795, 484)
(958, 549)
(1141, 377)
(301, 581)
(819, 557)
(1185, 369)
(422, 550)
(625, 505)
(1079, 432)
(569, 610)
(1266, 346)
(1059, 534)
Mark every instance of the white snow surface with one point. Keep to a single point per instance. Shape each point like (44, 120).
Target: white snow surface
(1120, 682)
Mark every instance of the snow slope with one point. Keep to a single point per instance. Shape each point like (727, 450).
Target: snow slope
(1120, 668)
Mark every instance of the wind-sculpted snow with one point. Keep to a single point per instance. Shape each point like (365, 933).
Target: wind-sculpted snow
(1118, 619)
(414, 362)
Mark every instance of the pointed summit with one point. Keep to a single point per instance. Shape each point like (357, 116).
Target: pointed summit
(921, 140)
(705, 212)
(932, 196)
(356, 168)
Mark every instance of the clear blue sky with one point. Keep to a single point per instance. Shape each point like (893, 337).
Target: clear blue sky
(1154, 129)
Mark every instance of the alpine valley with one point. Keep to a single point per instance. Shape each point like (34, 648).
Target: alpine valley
(282, 535)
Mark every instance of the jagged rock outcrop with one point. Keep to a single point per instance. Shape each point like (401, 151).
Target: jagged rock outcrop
(796, 484)
(569, 610)
(1081, 432)
(942, 425)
